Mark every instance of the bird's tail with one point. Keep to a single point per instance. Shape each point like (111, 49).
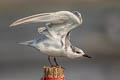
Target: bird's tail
(27, 43)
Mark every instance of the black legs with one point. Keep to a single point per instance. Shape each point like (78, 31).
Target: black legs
(56, 64)
(55, 61)
(49, 61)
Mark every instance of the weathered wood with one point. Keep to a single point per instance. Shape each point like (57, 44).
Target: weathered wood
(53, 73)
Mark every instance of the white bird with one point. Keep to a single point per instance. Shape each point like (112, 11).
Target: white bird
(58, 26)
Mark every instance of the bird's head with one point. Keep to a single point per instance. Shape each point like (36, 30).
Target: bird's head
(76, 53)
(78, 15)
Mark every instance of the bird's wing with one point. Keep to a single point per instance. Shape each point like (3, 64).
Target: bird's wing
(44, 31)
(67, 41)
(53, 17)
(58, 24)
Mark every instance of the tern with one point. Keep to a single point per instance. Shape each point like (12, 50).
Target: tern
(58, 26)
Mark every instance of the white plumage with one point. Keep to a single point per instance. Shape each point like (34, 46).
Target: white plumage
(58, 26)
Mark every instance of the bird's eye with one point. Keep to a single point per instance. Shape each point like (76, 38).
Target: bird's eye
(77, 52)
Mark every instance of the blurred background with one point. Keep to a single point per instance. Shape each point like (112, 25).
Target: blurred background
(98, 36)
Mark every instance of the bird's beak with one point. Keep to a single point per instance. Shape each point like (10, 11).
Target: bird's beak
(85, 55)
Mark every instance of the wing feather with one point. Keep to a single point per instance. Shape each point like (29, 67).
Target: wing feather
(58, 24)
(44, 17)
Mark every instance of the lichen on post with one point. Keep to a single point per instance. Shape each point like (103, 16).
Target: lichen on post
(53, 73)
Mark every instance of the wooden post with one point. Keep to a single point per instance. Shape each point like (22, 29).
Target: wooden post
(53, 73)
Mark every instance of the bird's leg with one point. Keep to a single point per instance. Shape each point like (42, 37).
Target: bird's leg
(50, 61)
(55, 61)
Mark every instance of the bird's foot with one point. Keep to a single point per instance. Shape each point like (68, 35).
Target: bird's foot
(54, 65)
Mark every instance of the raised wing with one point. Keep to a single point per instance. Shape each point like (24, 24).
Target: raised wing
(58, 24)
(45, 31)
(44, 17)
